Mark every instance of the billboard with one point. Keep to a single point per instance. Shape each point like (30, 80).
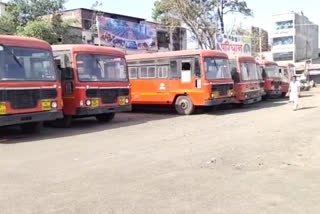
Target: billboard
(126, 35)
(233, 44)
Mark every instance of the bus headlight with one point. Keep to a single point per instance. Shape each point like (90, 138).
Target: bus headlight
(54, 104)
(127, 101)
(88, 102)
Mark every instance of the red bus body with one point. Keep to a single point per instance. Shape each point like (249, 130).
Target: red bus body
(161, 78)
(272, 79)
(286, 73)
(30, 91)
(92, 96)
(246, 80)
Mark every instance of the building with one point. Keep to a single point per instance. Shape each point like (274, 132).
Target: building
(84, 29)
(294, 38)
(2, 8)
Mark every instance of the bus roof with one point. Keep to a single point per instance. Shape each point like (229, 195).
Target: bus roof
(243, 58)
(266, 62)
(285, 64)
(205, 53)
(27, 42)
(89, 49)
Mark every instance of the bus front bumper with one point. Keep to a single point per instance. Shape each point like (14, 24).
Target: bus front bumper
(102, 110)
(16, 119)
(219, 101)
(274, 93)
(252, 101)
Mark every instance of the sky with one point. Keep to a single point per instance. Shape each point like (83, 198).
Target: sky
(262, 9)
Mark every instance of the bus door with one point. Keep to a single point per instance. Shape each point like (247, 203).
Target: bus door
(185, 75)
(64, 65)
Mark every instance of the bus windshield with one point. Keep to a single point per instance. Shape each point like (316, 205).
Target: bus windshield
(272, 71)
(26, 64)
(101, 68)
(249, 71)
(217, 69)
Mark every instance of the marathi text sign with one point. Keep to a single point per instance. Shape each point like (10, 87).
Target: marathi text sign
(126, 35)
(233, 44)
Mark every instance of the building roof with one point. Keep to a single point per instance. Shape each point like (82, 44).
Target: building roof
(23, 42)
(89, 49)
(205, 53)
(111, 14)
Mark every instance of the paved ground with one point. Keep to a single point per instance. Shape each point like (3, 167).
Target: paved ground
(259, 159)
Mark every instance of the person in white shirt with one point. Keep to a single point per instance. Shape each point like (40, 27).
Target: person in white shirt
(294, 91)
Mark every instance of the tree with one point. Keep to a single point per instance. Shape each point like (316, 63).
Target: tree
(20, 12)
(231, 6)
(202, 17)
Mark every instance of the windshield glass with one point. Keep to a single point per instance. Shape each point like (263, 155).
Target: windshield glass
(101, 68)
(26, 64)
(249, 71)
(217, 69)
(272, 71)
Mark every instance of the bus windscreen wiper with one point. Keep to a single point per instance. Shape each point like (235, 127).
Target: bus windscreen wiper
(15, 58)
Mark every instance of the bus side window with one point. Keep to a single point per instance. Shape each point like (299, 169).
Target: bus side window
(264, 74)
(162, 72)
(67, 70)
(235, 75)
(133, 73)
(174, 70)
(197, 68)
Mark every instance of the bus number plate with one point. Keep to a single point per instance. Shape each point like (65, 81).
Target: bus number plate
(95, 103)
(122, 101)
(3, 108)
(46, 105)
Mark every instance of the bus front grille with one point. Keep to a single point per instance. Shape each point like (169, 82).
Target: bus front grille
(222, 89)
(108, 96)
(276, 84)
(26, 99)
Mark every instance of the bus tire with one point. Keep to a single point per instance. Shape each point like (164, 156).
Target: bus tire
(103, 118)
(184, 105)
(30, 128)
(283, 95)
(65, 122)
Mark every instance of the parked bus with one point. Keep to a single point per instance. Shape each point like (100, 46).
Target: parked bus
(185, 79)
(286, 72)
(272, 79)
(94, 82)
(261, 80)
(246, 80)
(30, 92)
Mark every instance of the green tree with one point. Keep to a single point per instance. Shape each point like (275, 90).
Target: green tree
(203, 17)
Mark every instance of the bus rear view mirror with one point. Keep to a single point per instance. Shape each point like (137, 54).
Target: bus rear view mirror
(1, 48)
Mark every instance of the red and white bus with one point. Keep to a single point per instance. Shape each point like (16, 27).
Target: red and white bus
(30, 91)
(272, 79)
(94, 82)
(286, 73)
(185, 79)
(246, 81)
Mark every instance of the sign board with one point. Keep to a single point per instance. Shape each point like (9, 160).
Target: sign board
(126, 35)
(233, 44)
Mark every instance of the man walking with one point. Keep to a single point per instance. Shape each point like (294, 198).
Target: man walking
(294, 91)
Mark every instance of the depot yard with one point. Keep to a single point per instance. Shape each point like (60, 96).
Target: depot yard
(257, 159)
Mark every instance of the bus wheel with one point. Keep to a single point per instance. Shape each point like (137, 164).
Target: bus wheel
(29, 128)
(283, 95)
(105, 117)
(184, 105)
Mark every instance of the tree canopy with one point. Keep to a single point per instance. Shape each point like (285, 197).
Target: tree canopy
(35, 18)
(204, 18)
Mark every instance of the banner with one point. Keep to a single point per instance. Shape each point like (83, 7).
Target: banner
(126, 35)
(233, 44)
